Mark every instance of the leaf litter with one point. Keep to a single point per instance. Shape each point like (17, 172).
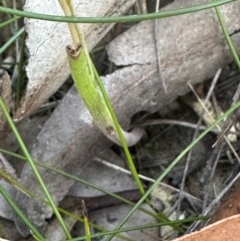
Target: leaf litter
(69, 144)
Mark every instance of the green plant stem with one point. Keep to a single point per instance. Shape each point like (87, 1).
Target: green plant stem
(130, 18)
(32, 165)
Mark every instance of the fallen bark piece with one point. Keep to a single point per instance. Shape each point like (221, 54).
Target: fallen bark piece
(230, 207)
(224, 230)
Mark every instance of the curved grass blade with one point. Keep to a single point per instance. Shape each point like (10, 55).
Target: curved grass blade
(3, 24)
(130, 18)
(227, 37)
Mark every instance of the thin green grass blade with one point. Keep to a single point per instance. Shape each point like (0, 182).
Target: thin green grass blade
(86, 223)
(156, 216)
(227, 37)
(32, 165)
(11, 40)
(130, 18)
(141, 227)
(75, 179)
(3, 24)
(177, 159)
(20, 214)
(97, 227)
(33, 195)
(14, 182)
